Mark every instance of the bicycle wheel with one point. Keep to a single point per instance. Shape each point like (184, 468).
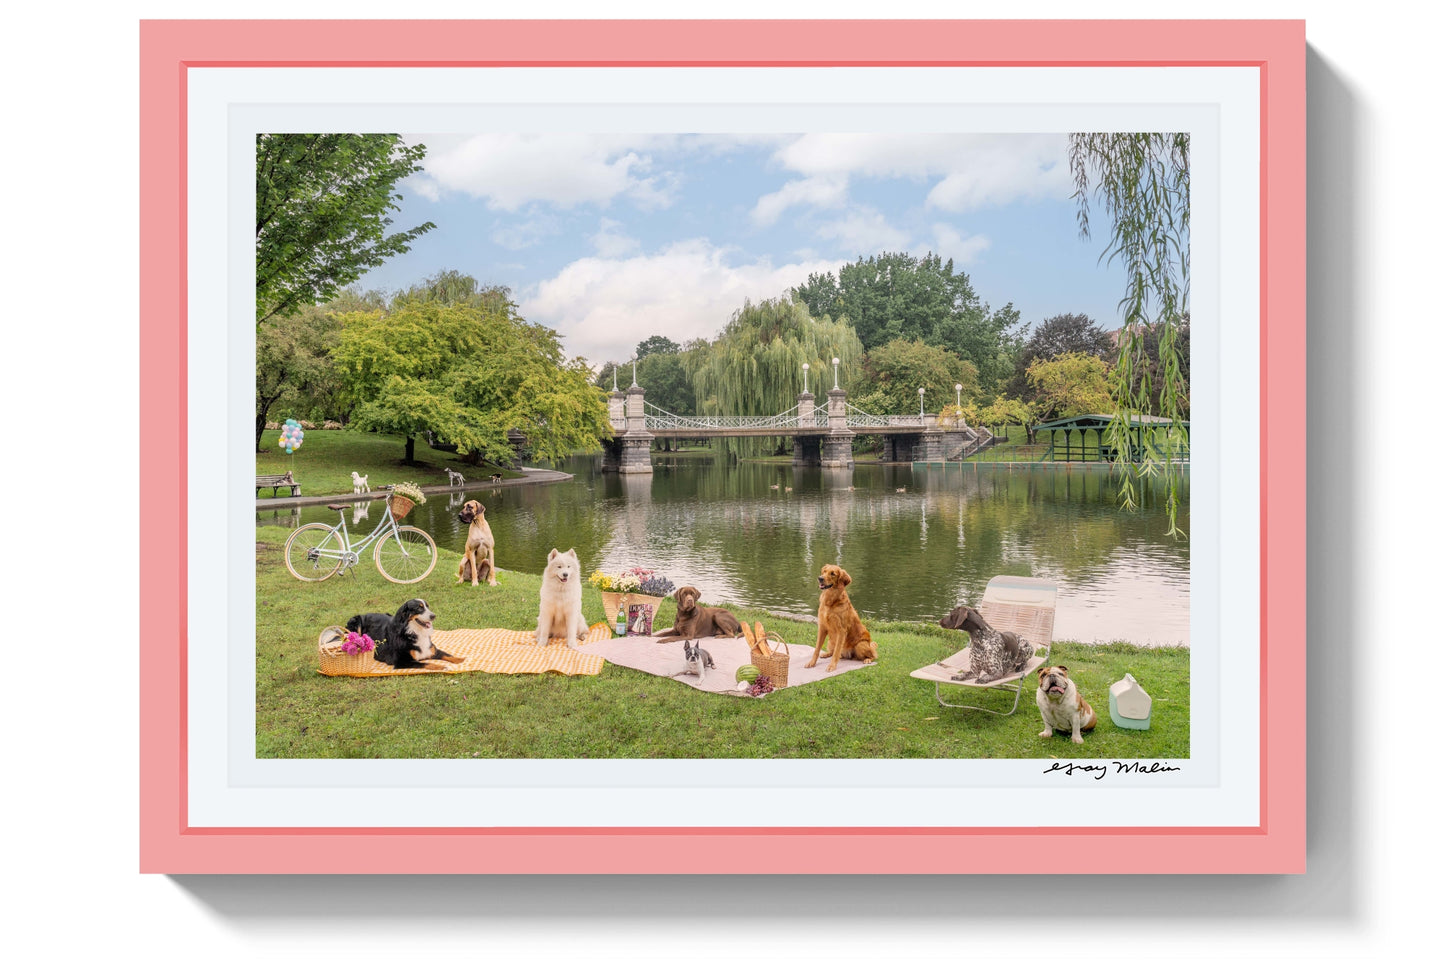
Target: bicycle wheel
(313, 552)
(406, 555)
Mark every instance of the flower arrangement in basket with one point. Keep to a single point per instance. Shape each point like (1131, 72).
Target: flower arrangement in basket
(633, 585)
(404, 497)
(346, 653)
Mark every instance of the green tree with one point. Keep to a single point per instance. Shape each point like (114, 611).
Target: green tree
(1143, 182)
(453, 287)
(1005, 411)
(1056, 336)
(895, 296)
(893, 373)
(1074, 384)
(293, 361)
(755, 366)
(657, 344)
(323, 204)
(467, 375)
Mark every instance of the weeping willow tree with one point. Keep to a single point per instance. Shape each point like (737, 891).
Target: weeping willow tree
(755, 367)
(1143, 182)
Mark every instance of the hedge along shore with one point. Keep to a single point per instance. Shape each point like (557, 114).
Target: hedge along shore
(530, 476)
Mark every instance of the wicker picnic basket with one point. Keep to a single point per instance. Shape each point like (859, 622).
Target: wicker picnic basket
(336, 662)
(774, 666)
(612, 601)
(400, 505)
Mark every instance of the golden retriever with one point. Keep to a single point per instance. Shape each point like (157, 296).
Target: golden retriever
(838, 622)
(479, 558)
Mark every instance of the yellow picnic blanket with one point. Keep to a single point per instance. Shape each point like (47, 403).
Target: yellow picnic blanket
(487, 650)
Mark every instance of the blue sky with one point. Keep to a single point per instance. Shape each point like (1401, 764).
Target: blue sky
(611, 238)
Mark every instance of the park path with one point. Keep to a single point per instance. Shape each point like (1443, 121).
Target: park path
(530, 476)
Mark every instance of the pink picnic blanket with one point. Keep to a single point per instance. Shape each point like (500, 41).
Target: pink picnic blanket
(646, 654)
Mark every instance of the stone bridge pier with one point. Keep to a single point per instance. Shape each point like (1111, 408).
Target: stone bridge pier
(627, 451)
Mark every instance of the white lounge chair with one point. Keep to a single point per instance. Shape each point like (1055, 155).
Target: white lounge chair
(1011, 603)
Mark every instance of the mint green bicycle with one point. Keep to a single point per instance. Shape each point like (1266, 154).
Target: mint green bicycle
(403, 553)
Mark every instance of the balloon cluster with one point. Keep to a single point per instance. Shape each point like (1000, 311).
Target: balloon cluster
(291, 435)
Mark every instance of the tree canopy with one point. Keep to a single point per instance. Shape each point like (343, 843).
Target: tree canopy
(467, 375)
(895, 371)
(450, 286)
(1057, 336)
(657, 344)
(755, 366)
(895, 296)
(1074, 384)
(293, 366)
(323, 205)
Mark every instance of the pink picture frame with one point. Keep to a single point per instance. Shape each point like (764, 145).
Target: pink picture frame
(172, 50)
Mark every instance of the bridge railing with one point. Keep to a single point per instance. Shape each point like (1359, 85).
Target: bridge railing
(858, 418)
(657, 419)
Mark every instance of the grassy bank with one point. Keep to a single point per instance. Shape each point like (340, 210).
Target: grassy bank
(324, 462)
(623, 713)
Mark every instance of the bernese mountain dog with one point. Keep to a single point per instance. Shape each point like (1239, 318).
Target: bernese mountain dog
(402, 640)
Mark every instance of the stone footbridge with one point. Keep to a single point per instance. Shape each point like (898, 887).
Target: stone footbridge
(822, 434)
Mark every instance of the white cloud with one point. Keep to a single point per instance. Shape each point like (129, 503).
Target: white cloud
(609, 242)
(863, 231)
(510, 170)
(828, 191)
(963, 248)
(604, 306)
(970, 170)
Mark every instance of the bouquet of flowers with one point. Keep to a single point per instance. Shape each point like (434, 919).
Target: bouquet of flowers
(643, 581)
(655, 583)
(356, 644)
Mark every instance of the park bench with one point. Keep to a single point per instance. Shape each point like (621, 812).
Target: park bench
(275, 482)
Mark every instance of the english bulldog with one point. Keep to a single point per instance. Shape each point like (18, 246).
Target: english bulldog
(1061, 705)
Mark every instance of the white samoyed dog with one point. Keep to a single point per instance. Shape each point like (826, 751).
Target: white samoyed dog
(561, 612)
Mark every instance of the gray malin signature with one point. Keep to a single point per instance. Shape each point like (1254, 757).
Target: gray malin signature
(1098, 770)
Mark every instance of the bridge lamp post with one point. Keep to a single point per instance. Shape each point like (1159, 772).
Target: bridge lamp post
(835, 374)
(958, 396)
(920, 402)
(805, 377)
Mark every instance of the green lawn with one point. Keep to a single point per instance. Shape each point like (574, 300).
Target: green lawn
(324, 462)
(623, 713)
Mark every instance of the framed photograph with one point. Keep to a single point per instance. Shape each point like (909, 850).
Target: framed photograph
(958, 362)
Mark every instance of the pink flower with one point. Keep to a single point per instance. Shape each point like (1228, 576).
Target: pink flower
(356, 644)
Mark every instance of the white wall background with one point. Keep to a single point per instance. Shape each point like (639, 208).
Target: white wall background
(70, 849)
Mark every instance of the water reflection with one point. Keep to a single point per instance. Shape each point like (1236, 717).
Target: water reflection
(282, 517)
(913, 556)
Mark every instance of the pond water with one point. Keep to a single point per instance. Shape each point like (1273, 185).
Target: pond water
(735, 532)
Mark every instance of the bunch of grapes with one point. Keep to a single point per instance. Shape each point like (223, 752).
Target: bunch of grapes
(761, 687)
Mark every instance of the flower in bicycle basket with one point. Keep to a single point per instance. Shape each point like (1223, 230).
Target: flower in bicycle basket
(409, 490)
(356, 644)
